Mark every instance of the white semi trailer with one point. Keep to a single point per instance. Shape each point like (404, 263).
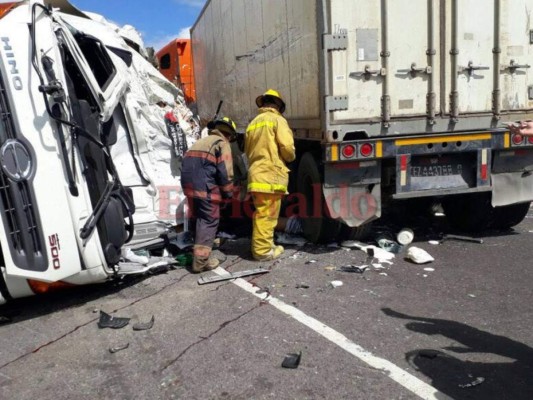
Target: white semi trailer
(387, 99)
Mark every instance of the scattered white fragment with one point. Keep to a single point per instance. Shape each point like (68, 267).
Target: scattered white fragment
(434, 242)
(439, 214)
(425, 276)
(336, 284)
(419, 256)
(429, 269)
(472, 295)
(384, 274)
(378, 266)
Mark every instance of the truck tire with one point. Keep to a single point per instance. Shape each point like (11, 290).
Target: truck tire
(470, 213)
(508, 216)
(317, 226)
(475, 213)
(357, 233)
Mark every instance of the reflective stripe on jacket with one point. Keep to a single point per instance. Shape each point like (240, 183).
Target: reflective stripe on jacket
(207, 171)
(269, 144)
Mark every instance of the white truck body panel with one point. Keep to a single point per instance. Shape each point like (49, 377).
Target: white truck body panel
(241, 48)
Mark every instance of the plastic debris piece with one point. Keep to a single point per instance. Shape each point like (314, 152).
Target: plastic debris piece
(378, 266)
(405, 236)
(144, 326)
(108, 321)
(384, 274)
(311, 261)
(419, 256)
(434, 242)
(336, 284)
(389, 245)
(478, 381)
(232, 275)
(429, 269)
(129, 255)
(351, 244)
(472, 295)
(358, 269)
(292, 360)
(119, 348)
(330, 268)
(302, 286)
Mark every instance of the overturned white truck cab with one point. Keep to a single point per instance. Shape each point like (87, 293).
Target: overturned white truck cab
(65, 212)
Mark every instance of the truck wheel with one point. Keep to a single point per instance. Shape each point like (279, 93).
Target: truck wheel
(317, 226)
(357, 233)
(471, 213)
(508, 216)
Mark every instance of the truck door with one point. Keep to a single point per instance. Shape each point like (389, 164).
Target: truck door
(356, 58)
(516, 61)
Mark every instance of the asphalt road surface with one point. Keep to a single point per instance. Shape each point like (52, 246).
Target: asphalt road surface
(462, 330)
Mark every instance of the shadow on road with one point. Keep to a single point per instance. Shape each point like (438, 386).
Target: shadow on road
(508, 377)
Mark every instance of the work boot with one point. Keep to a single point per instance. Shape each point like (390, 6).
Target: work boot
(275, 252)
(202, 264)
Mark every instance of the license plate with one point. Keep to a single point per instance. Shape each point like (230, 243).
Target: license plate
(418, 171)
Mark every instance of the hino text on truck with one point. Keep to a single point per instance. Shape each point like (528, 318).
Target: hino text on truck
(390, 101)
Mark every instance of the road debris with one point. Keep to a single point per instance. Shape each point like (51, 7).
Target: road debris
(462, 239)
(311, 261)
(108, 321)
(434, 242)
(389, 245)
(478, 381)
(419, 256)
(471, 295)
(119, 348)
(429, 269)
(302, 286)
(330, 268)
(358, 269)
(232, 275)
(292, 360)
(336, 284)
(144, 326)
(384, 274)
(405, 236)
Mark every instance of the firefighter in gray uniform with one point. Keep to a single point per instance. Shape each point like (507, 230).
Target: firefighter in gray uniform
(207, 180)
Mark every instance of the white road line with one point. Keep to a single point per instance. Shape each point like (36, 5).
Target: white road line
(410, 382)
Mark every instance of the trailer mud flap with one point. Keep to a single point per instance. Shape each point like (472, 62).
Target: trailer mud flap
(512, 187)
(354, 205)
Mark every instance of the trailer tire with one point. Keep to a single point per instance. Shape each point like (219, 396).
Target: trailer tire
(475, 213)
(317, 226)
(355, 233)
(508, 216)
(470, 213)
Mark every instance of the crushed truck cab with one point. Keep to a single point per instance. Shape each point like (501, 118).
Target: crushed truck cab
(65, 213)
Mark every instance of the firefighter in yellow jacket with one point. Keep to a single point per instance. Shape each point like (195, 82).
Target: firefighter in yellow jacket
(269, 145)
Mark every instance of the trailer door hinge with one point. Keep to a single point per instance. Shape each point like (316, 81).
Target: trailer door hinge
(336, 103)
(335, 42)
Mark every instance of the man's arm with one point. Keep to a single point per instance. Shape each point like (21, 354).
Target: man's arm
(224, 167)
(523, 128)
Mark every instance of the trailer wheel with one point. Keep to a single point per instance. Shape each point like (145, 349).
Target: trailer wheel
(317, 226)
(508, 216)
(357, 233)
(470, 213)
(475, 213)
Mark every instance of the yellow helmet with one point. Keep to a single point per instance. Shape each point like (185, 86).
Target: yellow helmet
(226, 125)
(271, 96)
